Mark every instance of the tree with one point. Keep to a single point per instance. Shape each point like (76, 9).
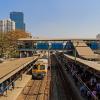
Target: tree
(8, 42)
(15, 35)
(3, 44)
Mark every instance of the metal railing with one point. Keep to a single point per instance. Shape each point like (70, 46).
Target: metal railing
(81, 82)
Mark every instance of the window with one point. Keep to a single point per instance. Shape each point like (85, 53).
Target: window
(42, 67)
(35, 67)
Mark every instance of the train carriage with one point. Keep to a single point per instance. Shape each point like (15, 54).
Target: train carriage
(39, 69)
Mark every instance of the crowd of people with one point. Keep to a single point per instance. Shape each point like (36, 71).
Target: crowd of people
(6, 86)
(88, 82)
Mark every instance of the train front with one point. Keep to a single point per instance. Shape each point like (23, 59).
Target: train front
(39, 70)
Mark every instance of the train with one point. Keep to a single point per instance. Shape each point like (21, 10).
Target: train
(39, 69)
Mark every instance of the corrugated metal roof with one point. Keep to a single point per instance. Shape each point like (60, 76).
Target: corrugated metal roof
(9, 68)
(91, 64)
(84, 51)
(50, 39)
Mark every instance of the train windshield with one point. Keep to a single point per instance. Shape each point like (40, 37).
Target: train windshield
(35, 67)
(42, 67)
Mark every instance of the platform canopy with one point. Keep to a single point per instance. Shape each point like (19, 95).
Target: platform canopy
(9, 68)
(91, 64)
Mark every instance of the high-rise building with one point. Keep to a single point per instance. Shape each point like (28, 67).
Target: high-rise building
(18, 17)
(7, 25)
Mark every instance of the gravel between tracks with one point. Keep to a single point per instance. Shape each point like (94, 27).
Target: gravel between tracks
(36, 90)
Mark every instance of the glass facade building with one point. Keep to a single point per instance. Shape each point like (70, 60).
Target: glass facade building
(18, 18)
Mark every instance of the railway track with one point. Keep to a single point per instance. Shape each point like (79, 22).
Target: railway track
(36, 90)
(57, 90)
(65, 89)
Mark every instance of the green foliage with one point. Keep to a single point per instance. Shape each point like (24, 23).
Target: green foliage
(8, 43)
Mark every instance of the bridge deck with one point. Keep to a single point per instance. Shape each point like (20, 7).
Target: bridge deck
(8, 68)
(93, 65)
(55, 39)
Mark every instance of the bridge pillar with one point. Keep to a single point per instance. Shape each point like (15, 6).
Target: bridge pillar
(27, 54)
(23, 54)
(20, 54)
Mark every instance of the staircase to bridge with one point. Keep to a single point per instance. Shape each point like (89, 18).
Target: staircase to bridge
(83, 50)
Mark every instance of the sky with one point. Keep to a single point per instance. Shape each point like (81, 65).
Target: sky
(57, 18)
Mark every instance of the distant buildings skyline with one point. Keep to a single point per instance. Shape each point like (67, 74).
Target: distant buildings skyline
(7, 25)
(14, 22)
(18, 17)
(17, 22)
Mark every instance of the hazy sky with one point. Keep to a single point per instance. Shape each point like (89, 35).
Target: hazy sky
(57, 18)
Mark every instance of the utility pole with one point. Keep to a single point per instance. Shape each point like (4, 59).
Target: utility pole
(63, 50)
(75, 50)
(48, 55)
(75, 54)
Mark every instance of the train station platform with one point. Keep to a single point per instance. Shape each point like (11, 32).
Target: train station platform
(84, 51)
(12, 70)
(9, 68)
(19, 85)
(92, 64)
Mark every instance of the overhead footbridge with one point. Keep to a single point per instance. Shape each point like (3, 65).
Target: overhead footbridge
(83, 50)
(27, 46)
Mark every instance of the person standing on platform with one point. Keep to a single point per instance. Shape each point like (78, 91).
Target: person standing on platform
(13, 84)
